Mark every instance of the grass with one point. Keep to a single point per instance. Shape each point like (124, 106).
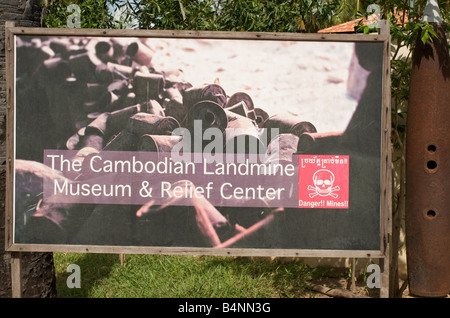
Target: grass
(164, 276)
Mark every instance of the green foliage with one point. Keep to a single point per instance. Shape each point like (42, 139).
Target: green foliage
(94, 13)
(211, 15)
(160, 276)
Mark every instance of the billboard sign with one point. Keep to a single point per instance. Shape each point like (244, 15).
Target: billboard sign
(205, 142)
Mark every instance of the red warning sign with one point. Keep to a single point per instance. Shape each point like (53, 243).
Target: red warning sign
(323, 181)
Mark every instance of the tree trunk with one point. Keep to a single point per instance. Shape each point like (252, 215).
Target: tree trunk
(38, 273)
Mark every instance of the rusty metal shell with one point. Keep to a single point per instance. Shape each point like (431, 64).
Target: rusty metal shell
(211, 92)
(281, 148)
(211, 114)
(158, 143)
(242, 109)
(148, 85)
(107, 72)
(124, 141)
(140, 53)
(104, 51)
(144, 123)
(261, 116)
(287, 124)
(427, 169)
(242, 135)
(174, 104)
(117, 120)
(240, 97)
(153, 107)
(84, 66)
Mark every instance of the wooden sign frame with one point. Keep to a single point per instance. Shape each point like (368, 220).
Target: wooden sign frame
(384, 160)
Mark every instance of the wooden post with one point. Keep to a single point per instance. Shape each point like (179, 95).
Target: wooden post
(385, 291)
(16, 275)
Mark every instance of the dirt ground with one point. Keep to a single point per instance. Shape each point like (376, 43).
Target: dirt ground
(341, 287)
(359, 290)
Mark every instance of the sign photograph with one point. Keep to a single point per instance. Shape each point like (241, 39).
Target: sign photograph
(200, 143)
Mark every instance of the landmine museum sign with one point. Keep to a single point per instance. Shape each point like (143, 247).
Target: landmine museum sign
(222, 143)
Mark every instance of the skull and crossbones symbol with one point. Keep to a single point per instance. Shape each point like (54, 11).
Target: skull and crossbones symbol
(323, 184)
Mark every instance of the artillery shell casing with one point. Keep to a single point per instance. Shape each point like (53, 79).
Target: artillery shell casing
(104, 51)
(242, 109)
(211, 115)
(242, 135)
(240, 97)
(427, 169)
(84, 66)
(281, 148)
(260, 116)
(174, 105)
(211, 92)
(124, 141)
(286, 124)
(106, 73)
(158, 143)
(148, 85)
(140, 53)
(99, 125)
(117, 120)
(144, 123)
(208, 218)
(153, 107)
